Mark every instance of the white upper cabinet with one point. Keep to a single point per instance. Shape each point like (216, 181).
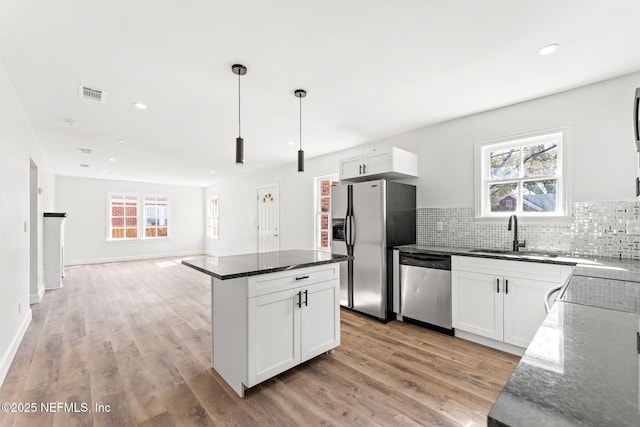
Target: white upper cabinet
(392, 163)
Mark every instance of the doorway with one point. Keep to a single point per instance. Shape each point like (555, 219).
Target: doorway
(33, 233)
(269, 218)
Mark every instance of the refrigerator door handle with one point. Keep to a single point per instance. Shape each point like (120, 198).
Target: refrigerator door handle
(352, 230)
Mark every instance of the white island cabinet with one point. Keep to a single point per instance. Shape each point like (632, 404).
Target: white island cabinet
(281, 312)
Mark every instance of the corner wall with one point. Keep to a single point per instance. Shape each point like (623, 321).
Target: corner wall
(19, 145)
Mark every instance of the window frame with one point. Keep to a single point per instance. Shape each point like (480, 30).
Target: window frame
(124, 195)
(213, 217)
(563, 175)
(143, 222)
(140, 216)
(317, 211)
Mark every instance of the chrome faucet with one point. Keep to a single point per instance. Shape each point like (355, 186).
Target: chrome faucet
(513, 220)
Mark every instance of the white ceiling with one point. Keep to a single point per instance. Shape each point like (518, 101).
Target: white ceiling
(372, 69)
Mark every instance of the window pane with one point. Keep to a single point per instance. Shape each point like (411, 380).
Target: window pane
(150, 211)
(163, 222)
(117, 233)
(325, 204)
(503, 197)
(540, 159)
(150, 222)
(131, 211)
(539, 196)
(505, 163)
(117, 222)
(132, 233)
(132, 222)
(162, 232)
(150, 232)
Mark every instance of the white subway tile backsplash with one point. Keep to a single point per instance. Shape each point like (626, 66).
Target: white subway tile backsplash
(597, 228)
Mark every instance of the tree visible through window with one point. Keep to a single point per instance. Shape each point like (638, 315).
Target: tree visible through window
(523, 176)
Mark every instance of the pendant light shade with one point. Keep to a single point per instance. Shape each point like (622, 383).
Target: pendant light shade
(300, 93)
(239, 70)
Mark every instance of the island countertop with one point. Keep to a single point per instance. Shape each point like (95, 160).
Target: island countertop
(234, 266)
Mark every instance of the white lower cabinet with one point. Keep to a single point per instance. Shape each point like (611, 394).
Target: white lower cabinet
(290, 327)
(266, 324)
(502, 300)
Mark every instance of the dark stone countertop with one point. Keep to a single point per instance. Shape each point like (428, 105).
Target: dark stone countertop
(582, 366)
(234, 266)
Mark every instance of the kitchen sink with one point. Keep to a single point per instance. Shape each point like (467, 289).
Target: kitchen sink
(515, 253)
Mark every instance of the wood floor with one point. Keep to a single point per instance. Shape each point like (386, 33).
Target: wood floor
(136, 336)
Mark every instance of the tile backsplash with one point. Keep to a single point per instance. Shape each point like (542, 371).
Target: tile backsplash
(596, 229)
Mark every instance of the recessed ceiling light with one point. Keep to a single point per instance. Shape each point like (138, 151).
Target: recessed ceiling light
(111, 159)
(104, 171)
(119, 141)
(548, 49)
(140, 106)
(212, 171)
(290, 143)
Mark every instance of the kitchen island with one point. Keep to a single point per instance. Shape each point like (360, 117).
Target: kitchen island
(270, 311)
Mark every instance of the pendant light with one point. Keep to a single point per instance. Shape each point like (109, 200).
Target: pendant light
(239, 70)
(300, 93)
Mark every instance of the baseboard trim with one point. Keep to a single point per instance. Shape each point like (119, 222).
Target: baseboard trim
(488, 342)
(7, 358)
(130, 258)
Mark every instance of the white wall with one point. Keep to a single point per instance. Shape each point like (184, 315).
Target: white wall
(603, 160)
(19, 144)
(85, 202)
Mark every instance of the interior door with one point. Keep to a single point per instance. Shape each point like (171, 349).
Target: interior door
(269, 218)
(369, 252)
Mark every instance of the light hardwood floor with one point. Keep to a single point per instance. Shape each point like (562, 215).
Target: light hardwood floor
(136, 336)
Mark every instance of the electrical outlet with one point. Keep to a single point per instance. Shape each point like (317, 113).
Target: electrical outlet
(633, 227)
(439, 226)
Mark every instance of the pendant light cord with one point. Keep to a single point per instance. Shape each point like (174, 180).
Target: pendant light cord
(239, 133)
(300, 123)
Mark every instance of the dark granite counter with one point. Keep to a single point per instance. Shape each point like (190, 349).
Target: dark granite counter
(581, 369)
(233, 266)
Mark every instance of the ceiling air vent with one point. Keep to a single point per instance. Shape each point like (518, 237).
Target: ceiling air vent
(85, 150)
(92, 94)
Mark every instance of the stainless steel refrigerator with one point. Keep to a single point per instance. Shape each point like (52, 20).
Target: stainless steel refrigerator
(368, 219)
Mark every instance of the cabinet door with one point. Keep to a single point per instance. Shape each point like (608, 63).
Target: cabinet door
(477, 304)
(378, 162)
(274, 334)
(351, 167)
(523, 310)
(320, 317)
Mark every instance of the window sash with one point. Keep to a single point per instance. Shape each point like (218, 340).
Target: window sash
(484, 179)
(213, 217)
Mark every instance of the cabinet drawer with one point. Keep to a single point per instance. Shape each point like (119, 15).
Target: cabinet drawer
(554, 273)
(283, 280)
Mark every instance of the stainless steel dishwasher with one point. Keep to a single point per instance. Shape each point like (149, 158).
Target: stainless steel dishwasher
(425, 289)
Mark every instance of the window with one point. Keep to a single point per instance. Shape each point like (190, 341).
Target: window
(213, 217)
(526, 175)
(323, 210)
(156, 216)
(127, 221)
(123, 218)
